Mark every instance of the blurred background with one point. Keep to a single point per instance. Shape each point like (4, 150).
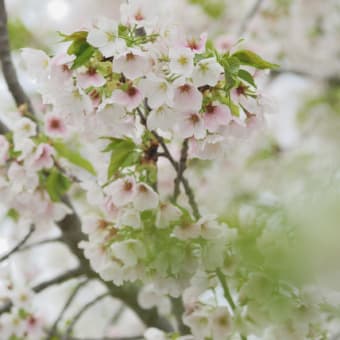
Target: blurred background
(301, 99)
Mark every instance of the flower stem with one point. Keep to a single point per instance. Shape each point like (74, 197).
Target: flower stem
(227, 294)
(226, 290)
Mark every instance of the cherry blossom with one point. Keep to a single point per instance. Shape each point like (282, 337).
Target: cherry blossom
(133, 64)
(105, 37)
(122, 191)
(191, 124)
(55, 126)
(181, 61)
(216, 116)
(207, 72)
(131, 98)
(187, 97)
(145, 197)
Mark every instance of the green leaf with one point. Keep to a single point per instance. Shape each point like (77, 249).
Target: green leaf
(247, 57)
(246, 76)
(57, 185)
(83, 52)
(116, 143)
(231, 66)
(73, 157)
(123, 154)
(80, 35)
(230, 82)
(13, 214)
(234, 65)
(23, 314)
(79, 47)
(235, 110)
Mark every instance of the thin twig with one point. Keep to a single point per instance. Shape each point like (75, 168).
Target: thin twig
(40, 243)
(76, 318)
(3, 128)
(19, 245)
(249, 17)
(191, 197)
(73, 178)
(181, 168)
(64, 309)
(226, 290)
(8, 69)
(176, 166)
(227, 294)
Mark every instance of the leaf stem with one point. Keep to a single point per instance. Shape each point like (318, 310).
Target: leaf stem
(226, 290)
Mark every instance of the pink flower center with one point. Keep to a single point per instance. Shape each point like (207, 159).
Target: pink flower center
(91, 71)
(127, 186)
(55, 124)
(32, 320)
(143, 189)
(130, 56)
(102, 224)
(194, 118)
(94, 94)
(241, 90)
(185, 88)
(132, 91)
(65, 68)
(193, 44)
(139, 16)
(210, 108)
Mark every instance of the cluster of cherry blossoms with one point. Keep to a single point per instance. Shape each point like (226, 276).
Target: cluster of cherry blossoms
(120, 98)
(22, 321)
(26, 164)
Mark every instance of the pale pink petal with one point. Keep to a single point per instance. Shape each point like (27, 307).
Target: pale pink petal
(90, 79)
(131, 98)
(216, 116)
(187, 97)
(43, 157)
(146, 198)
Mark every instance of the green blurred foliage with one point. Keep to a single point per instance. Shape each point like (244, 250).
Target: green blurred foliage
(328, 101)
(213, 8)
(20, 36)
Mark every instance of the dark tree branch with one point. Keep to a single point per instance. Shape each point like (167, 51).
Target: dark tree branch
(8, 69)
(249, 17)
(67, 304)
(3, 128)
(19, 245)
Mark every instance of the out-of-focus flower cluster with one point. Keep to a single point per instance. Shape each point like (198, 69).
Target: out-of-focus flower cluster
(22, 322)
